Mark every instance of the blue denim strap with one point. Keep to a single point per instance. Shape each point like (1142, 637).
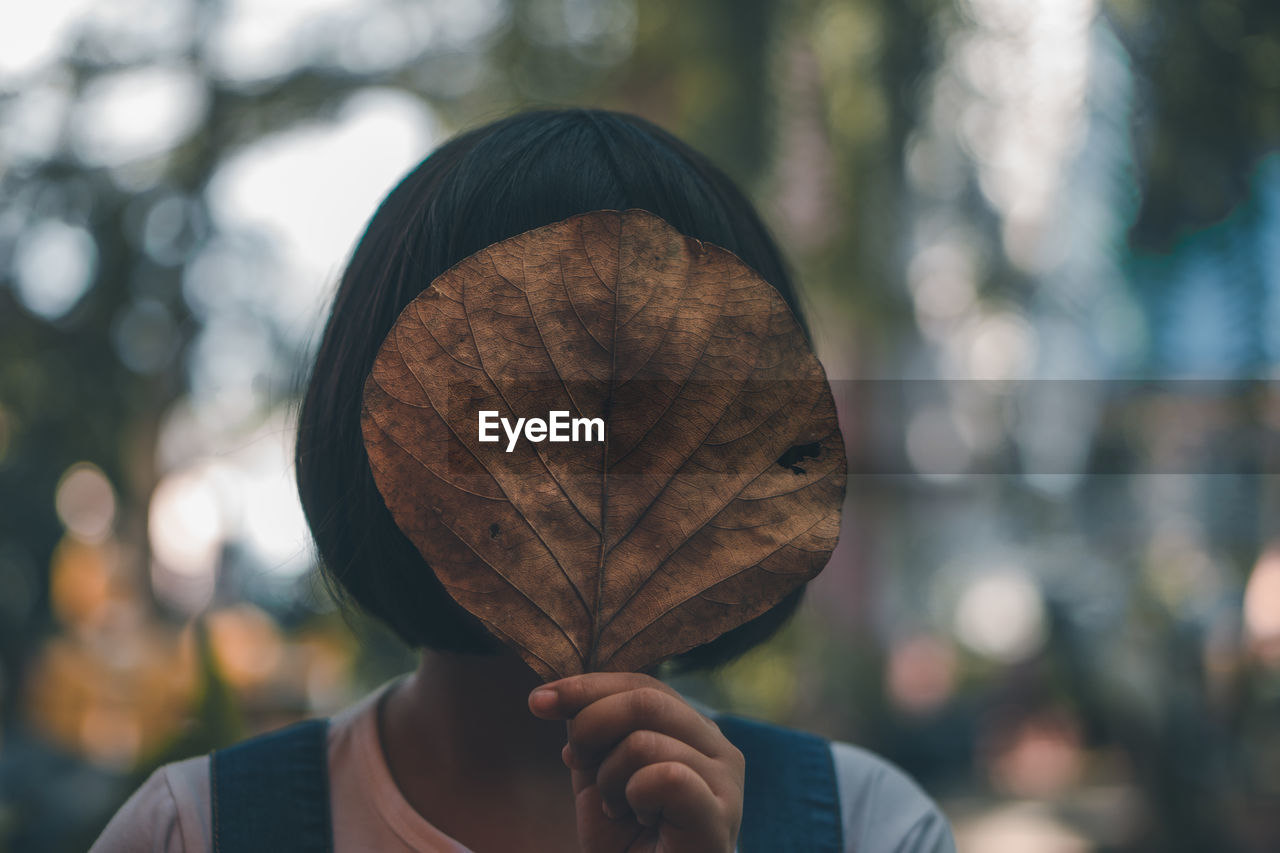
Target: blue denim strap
(791, 803)
(270, 794)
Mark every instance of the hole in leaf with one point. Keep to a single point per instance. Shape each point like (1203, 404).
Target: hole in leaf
(799, 453)
(494, 530)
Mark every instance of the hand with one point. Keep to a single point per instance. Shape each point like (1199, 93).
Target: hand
(650, 773)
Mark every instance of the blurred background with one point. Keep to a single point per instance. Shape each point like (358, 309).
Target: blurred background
(1040, 244)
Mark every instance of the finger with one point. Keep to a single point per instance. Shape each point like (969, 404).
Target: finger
(561, 700)
(582, 780)
(600, 726)
(644, 747)
(674, 795)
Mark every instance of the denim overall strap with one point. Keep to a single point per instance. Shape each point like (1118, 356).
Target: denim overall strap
(270, 794)
(791, 803)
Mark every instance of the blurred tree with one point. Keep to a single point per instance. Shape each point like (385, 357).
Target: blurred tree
(1210, 73)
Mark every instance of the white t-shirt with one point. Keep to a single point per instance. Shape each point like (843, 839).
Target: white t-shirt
(882, 809)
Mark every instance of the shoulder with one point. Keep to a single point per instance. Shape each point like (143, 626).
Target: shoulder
(883, 809)
(172, 813)
(169, 813)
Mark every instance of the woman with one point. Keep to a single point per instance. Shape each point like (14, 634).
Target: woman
(469, 752)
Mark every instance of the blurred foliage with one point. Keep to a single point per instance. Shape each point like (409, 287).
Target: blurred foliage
(1053, 602)
(1211, 106)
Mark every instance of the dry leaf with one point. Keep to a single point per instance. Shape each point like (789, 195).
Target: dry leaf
(716, 490)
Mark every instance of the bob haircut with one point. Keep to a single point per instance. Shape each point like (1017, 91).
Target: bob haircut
(521, 172)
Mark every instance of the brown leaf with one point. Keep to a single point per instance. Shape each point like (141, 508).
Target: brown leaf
(716, 491)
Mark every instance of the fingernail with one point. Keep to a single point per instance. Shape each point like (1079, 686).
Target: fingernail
(542, 699)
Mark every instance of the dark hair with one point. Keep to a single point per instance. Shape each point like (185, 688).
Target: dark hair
(499, 180)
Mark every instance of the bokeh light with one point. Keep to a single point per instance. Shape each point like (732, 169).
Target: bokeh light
(54, 267)
(85, 502)
(139, 113)
(1000, 615)
(247, 643)
(1262, 607)
(922, 673)
(185, 522)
